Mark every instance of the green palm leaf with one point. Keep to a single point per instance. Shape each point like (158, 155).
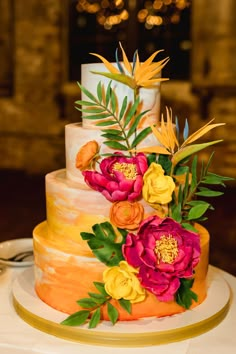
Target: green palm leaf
(142, 135)
(99, 91)
(123, 107)
(87, 93)
(136, 122)
(116, 145)
(131, 112)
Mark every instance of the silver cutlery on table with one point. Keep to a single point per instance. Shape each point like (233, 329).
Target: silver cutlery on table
(19, 257)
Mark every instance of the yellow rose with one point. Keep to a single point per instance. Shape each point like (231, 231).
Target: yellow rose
(126, 215)
(87, 155)
(157, 188)
(121, 282)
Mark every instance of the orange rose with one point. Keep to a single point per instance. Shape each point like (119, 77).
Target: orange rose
(87, 155)
(126, 215)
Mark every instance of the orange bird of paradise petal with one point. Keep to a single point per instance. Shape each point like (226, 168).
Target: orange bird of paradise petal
(144, 74)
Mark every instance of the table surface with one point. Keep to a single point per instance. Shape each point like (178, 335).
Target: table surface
(17, 337)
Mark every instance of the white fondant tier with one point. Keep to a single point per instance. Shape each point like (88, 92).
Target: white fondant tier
(76, 136)
(150, 97)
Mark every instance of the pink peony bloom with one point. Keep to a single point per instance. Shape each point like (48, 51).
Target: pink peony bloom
(121, 178)
(164, 252)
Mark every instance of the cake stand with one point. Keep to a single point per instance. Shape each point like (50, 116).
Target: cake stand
(145, 332)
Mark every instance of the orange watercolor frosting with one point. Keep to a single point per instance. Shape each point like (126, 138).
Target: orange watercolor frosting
(62, 278)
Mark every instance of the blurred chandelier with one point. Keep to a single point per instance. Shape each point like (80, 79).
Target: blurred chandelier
(154, 13)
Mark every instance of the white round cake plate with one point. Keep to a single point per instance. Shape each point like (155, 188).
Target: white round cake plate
(10, 248)
(145, 332)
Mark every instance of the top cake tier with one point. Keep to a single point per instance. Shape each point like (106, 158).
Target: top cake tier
(149, 97)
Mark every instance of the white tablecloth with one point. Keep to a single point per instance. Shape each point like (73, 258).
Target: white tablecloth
(17, 337)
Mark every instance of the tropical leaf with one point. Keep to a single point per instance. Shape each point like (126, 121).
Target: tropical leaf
(100, 287)
(124, 79)
(188, 226)
(186, 187)
(123, 107)
(97, 116)
(112, 131)
(190, 150)
(154, 150)
(103, 245)
(125, 60)
(205, 192)
(116, 145)
(212, 178)
(197, 211)
(176, 212)
(99, 91)
(165, 163)
(200, 132)
(95, 319)
(185, 295)
(87, 93)
(106, 123)
(125, 304)
(108, 94)
(198, 201)
(131, 112)
(87, 303)
(186, 130)
(120, 67)
(98, 298)
(151, 158)
(77, 318)
(93, 109)
(112, 313)
(194, 174)
(116, 137)
(113, 102)
(135, 123)
(86, 103)
(141, 136)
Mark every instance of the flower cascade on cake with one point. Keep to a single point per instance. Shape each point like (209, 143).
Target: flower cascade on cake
(158, 253)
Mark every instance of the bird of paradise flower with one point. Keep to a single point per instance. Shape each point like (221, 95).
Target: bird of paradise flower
(167, 136)
(134, 75)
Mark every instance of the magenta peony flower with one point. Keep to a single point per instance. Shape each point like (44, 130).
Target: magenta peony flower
(164, 252)
(121, 178)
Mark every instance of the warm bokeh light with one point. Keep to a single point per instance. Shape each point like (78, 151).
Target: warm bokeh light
(154, 12)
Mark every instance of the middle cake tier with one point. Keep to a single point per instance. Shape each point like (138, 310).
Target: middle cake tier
(73, 208)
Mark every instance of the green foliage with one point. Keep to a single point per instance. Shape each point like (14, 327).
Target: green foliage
(77, 318)
(112, 313)
(165, 163)
(104, 109)
(186, 208)
(185, 295)
(151, 158)
(103, 245)
(92, 313)
(95, 318)
(126, 305)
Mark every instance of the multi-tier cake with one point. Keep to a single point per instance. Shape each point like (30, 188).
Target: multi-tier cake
(122, 239)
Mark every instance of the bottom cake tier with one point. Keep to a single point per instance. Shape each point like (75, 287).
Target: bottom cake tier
(61, 279)
(142, 333)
